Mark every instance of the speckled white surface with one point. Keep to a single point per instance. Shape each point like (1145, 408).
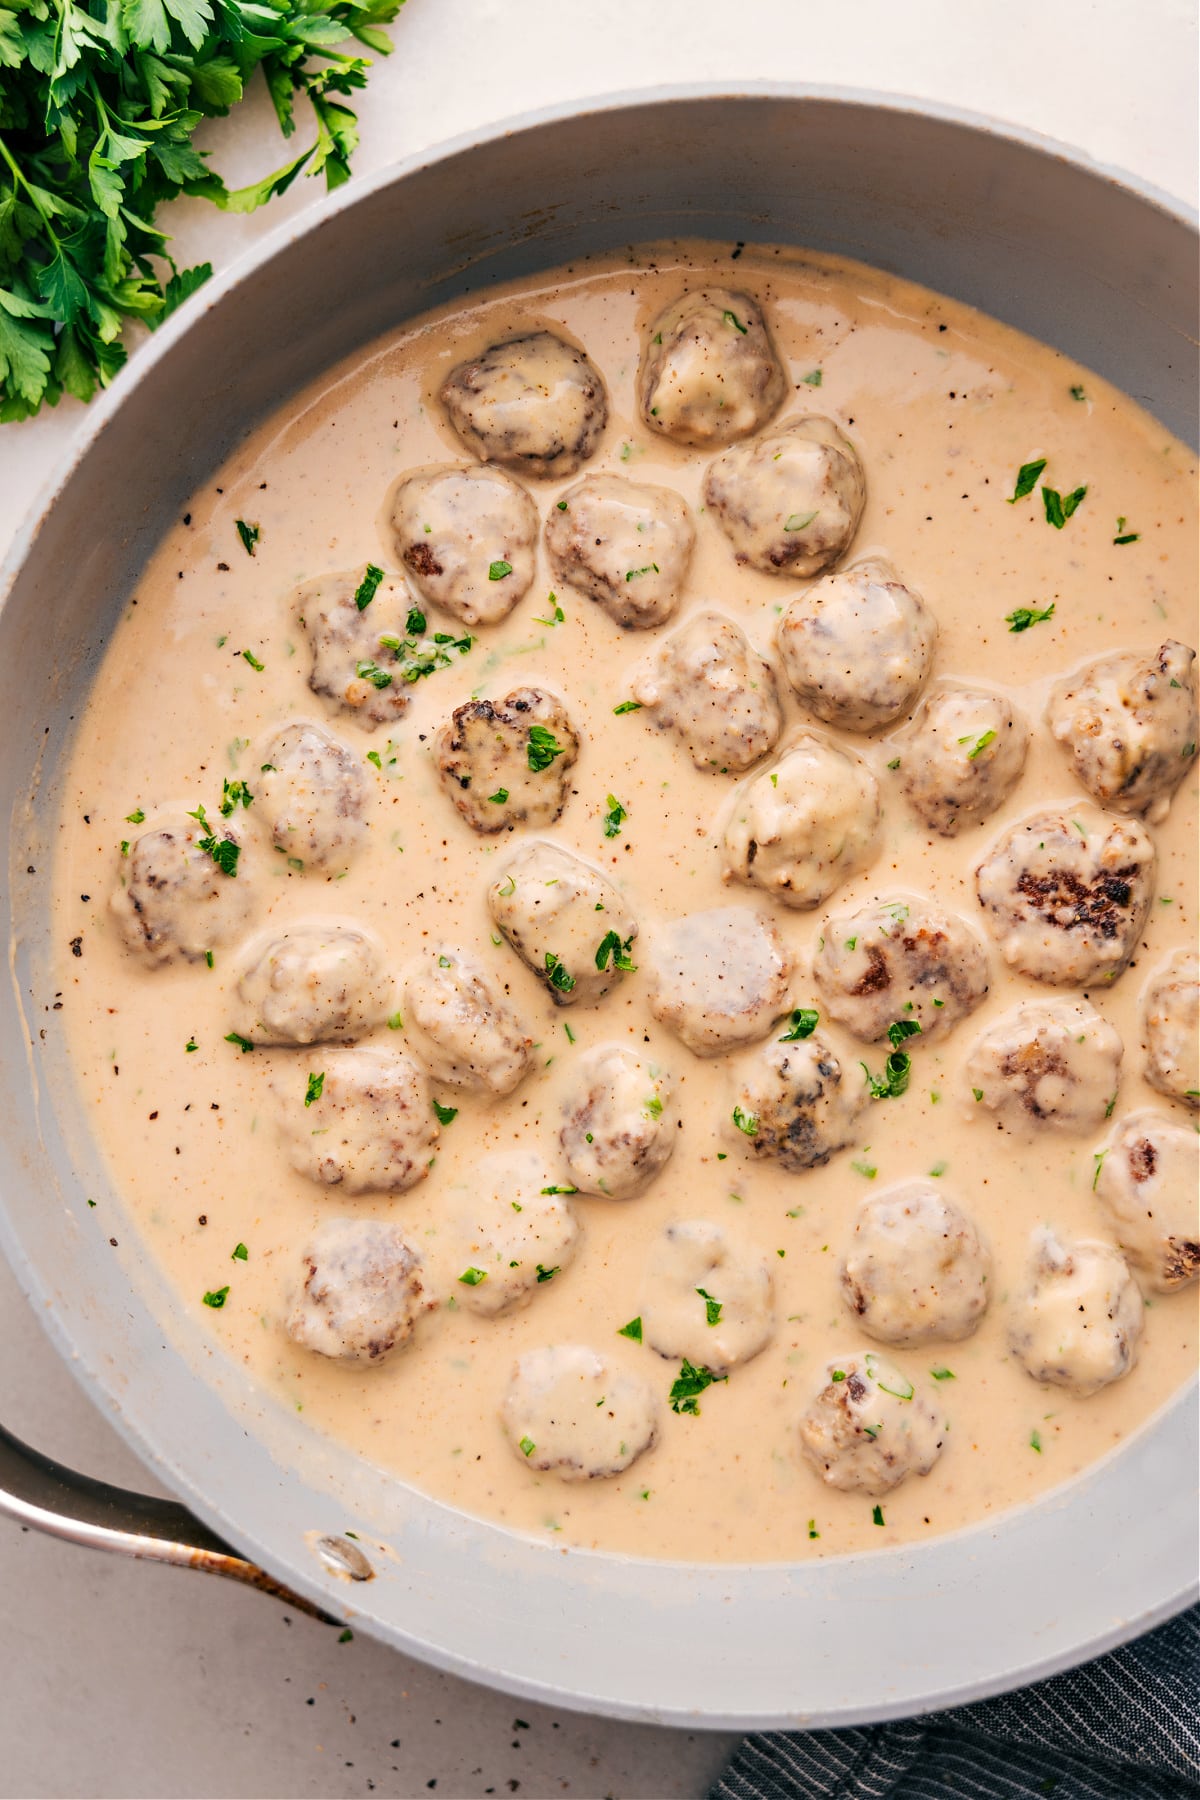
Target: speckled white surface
(125, 1680)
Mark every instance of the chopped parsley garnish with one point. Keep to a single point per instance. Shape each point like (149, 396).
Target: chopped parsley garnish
(527, 1446)
(877, 1515)
(544, 1274)
(249, 535)
(557, 615)
(745, 1122)
(1059, 507)
(224, 851)
(471, 1278)
(1027, 478)
(712, 1308)
(499, 797)
(649, 569)
(813, 378)
(499, 569)
(627, 706)
(136, 817)
(653, 1107)
(943, 1374)
(731, 318)
(208, 958)
(313, 1091)
(900, 1029)
(1035, 1441)
(445, 1115)
(191, 1045)
(614, 818)
(395, 1022)
(1077, 392)
(938, 1170)
(233, 794)
(239, 1253)
(557, 975)
(365, 592)
(250, 657)
(978, 1093)
(561, 505)
(235, 1037)
(371, 671)
(803, 1023)
(1025, 616)
(894, 1080)
(617, 949)
(1098, 1157)
(216, 1298)
(632, 1330)
(569, 1032)
(1123, 536)
(542, 748)
(865, 1168)
(812, 1529)
(895, 763)
(559, 1187)
(981, 744)
(373, 756)
(688, 1385)
(799, 521)
(416, 623)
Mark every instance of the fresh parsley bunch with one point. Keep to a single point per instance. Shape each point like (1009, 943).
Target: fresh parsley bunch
(99, 101)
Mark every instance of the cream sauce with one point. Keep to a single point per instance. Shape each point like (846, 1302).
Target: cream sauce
(943, 406)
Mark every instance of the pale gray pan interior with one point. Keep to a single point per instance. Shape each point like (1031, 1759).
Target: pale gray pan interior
(1063, 251)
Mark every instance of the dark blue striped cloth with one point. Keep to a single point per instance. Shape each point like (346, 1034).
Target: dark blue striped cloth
(1126, 1727)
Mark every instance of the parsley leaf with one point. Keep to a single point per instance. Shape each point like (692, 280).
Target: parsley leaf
(617, 949)
(445, 1115)
(1059, 507)
(313, 1091)
(1025, 616)
(712, 1308)
(542, 748)
(249, 535)
(627, 706)
(614, 818)
(99, 115)
(688, 1385)
(632, 1330)
(1027, 477)
(894, 1080)
(365, 592)
(557, 975)
(804, 1022)
(745, 1122)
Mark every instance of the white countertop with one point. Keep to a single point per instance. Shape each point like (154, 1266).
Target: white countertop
(128, 1680)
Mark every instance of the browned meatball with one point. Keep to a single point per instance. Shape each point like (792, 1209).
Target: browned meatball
(857, 646)
(360, 1293)
(1130, 725)
(900, 961)
(793, 1105)
(624, 544)
(313, 794)
(709, 370)
(962, 758)
(789, 501)
(179, 894)
(868, 1427)
(507, 762)
(534, 403)
(352, 666)
(1171, 1020)
(1066, 898)
(710, 686)
(468, 538)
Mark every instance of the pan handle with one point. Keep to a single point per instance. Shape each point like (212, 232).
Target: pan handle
(44, 1496)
